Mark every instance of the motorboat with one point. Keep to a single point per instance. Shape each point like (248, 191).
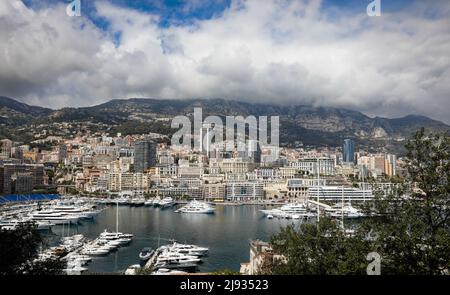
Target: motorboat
(137, 202)
(54, 217)
(291, 210)
(346, 211)
(95, 251)
(81, 212)
(197, 208)
(146, 253)
(156, 201)
(178, 258)
(114, 235)
(166, 203)
(186, 249)
(123, 241)
(148, 202)
(123, 201)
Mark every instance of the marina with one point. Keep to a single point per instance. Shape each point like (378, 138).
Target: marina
(226, 234)
(124, 234)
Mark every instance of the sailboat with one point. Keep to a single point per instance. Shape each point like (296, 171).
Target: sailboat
(122, 238)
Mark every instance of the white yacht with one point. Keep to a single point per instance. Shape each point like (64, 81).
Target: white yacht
(186, 249)
(81, 212)
(156, 201)
(123, 201)
(137, 202)
(291, 210)
(149, 202)
(95, 251)
(166, 203)
(114, 235)
(54, 217)
(196, 207)
(177, 258)
(346, 211)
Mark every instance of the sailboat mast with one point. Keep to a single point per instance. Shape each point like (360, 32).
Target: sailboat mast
(117, 215)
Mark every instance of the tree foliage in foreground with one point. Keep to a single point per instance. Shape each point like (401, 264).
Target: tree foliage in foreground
(19, 249)
(410, 228)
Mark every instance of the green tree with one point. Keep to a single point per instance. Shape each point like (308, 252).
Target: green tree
(322, 248)
(410, 228)
(19, 249)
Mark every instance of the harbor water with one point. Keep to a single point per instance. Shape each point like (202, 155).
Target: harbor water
(226, 233)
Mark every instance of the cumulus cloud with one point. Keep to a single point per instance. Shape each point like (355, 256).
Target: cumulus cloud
(286, 52)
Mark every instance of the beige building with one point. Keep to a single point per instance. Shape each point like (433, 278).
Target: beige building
(276, 190)
(213, 191)
(235, 166)
(128, 182)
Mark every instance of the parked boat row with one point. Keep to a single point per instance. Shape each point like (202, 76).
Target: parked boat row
(302, 211)
(82, 254)
(178, 257)
(175, 258)
(47, 214)
(106, 243)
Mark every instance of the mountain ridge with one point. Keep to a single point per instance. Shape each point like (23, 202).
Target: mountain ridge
(302, 123)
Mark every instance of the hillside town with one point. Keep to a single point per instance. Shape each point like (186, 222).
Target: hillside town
(139, 166)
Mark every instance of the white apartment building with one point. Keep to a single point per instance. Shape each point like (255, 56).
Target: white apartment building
(298, 187)
(244, 191)
(213, 191)
(337, 193)
(325, 166)
(288, 172)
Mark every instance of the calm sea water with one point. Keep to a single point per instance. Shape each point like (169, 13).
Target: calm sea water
(226, 233)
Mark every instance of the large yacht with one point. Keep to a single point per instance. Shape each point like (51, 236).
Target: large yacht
(114, 235)
(186, 249)
(178, 258)
(82, 212)
(55, 217)
(196, 207)
(291, 210)
(346, 211)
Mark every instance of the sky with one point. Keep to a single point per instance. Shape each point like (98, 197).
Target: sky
(288, 52)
